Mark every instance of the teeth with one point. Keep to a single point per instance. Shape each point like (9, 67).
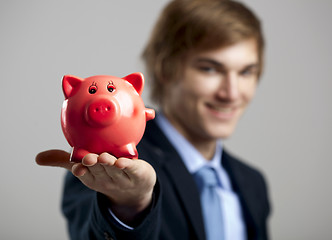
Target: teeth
(222, 109)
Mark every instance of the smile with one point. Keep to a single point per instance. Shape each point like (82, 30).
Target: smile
(222, 111)
(221, 108)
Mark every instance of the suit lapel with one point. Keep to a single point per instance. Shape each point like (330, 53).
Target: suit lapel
(180, 177)
(186, 188)
(244, 190)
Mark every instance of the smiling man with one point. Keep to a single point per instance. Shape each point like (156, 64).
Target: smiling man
(214, 90)
(204, 59)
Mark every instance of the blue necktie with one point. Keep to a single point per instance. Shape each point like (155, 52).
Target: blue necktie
(207, 182)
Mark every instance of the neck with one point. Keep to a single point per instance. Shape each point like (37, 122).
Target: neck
(206, 146)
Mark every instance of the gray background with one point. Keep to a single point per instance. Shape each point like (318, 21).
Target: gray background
(286, 131)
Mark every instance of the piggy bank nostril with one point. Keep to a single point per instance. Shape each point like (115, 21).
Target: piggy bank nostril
(101, 112)
(102, 109)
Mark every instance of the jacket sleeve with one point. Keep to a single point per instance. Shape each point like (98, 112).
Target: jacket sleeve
(87, 215)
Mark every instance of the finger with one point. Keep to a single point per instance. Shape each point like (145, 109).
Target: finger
(93, 166)
(134, 169)
(83, 174)
(107, 159)
(54, 158)
(90, 159)
(137, 169)
(79, 170)
(108, 162)
(123, 163)
(97, 163)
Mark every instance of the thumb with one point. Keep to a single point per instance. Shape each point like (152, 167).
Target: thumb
(54, 158)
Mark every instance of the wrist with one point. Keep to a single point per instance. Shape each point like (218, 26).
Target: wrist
(132, 213)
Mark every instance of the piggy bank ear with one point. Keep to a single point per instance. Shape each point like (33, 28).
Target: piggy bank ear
(70, 85)
(137, 80)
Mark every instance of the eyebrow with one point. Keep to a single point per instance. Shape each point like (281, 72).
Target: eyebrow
(208, 60)
(221, 65)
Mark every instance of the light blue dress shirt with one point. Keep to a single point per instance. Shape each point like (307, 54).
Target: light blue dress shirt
(231, 209)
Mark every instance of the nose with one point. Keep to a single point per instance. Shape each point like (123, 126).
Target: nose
(101, 112)
(229, 87)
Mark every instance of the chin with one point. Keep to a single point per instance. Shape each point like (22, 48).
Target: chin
(224, 136)
(222, 132)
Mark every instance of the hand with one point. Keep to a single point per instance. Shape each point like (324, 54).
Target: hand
(127, 183)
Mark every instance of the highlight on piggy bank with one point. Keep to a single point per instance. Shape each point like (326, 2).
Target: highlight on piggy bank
(104, 114)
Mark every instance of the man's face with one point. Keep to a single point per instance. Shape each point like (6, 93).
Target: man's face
(215, 88)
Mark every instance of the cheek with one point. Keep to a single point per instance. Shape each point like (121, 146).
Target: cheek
(200, 88)
(197, 84)
(184, 99)
(176, 98)
(248, 91)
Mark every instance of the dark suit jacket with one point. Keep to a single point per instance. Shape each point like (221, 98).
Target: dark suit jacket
(176, 212)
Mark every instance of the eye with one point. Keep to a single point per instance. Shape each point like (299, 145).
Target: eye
(246, 72)
(207, 69)
(110, 87)
(93, 88)
(249, 71)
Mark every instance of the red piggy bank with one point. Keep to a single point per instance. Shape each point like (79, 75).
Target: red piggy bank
(104, 114)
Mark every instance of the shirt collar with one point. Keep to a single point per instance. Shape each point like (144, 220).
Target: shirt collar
(192, 158)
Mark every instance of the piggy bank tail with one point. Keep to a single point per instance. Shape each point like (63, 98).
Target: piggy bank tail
(149, 114)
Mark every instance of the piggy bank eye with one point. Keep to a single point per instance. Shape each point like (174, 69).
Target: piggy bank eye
(93, 89)
(110, 87)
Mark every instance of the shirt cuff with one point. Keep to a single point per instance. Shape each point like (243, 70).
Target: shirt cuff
(119, 221)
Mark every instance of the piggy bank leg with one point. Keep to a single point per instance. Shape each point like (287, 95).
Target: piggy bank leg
(129, 151)
(77, 154)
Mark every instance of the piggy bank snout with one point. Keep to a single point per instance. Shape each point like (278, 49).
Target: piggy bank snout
(101, 112)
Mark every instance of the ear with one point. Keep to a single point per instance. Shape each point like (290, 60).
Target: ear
(69, 84)
(137, 80)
